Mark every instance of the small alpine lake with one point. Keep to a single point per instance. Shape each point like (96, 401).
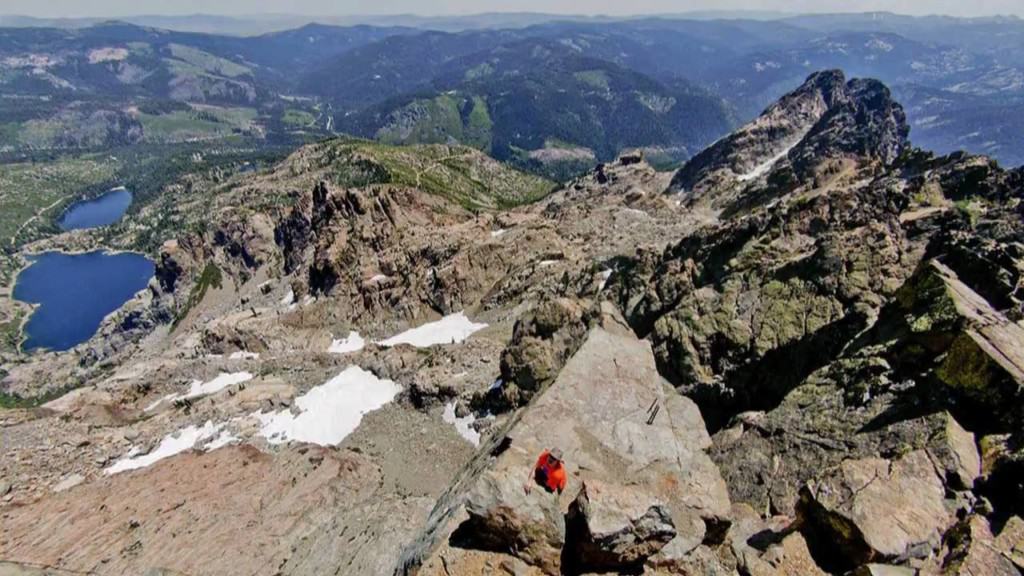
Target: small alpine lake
(74, 292)
(102, 211)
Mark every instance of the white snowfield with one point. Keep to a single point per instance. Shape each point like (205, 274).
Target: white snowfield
(464, 425)
(221, 441)
(499, 232)
(198, 388)
(329, 412)
(244, 355)
(352, 343)
(764, 167)
(222, 381)
(176, 443)
(451, 329)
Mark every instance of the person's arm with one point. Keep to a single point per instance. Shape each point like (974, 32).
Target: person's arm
(530, 473)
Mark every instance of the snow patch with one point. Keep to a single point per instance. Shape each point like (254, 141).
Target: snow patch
(497, 233)
(153, 406)
(329, 412)
(764, 167)
(353, 343)
(451, 329)
(172, 444)
(289, 298)
(222, 381)
(197, 388)
(226, 438)
(244, 355)
(605, 275)
(464, 425)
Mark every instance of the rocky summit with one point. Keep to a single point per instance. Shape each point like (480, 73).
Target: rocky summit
(802, 353)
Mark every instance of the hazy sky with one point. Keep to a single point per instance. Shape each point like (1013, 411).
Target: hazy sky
(54, 8)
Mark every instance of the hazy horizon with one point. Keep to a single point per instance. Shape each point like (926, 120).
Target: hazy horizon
(328, 8)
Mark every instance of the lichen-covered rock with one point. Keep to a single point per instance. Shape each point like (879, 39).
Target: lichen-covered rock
(976, 350)
(615, 527)
(541, 343)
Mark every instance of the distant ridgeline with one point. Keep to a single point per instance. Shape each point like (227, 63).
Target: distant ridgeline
(550, 96)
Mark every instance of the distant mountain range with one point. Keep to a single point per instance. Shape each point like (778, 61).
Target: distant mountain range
(531, 88)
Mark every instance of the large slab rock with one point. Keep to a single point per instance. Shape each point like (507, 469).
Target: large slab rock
(618, 422)
(874, 509)
(614, 527)
(503, 517)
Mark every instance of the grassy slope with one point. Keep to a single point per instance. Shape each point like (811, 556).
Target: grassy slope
(37, 188)
(201, 123)
(459, 173)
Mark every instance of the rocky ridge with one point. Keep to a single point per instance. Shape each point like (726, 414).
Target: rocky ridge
(798, 355)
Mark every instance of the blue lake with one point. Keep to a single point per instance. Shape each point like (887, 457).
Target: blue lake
(75, 292)
(102, 211)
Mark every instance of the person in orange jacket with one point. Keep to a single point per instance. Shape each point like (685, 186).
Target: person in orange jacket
(549, 472)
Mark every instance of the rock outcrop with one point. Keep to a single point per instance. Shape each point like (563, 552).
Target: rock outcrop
(877, 510)
(621, 428)
(971, 549)
(615, 528)
(800, 137)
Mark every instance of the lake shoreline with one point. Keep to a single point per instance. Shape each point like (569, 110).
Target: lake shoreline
(93, 211)
(88, 242)
(75, 291)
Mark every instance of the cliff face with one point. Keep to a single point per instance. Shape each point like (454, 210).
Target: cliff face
(800, 354)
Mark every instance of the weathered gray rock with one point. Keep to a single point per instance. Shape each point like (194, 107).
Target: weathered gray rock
(69, 482)
(15, 569)
(791, 557)
(971, 550)
(503, 517)
(958, 453)
(875, 510)
(615, 527)
(1010, 541)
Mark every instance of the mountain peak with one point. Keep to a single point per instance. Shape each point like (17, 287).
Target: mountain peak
(826, 117)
